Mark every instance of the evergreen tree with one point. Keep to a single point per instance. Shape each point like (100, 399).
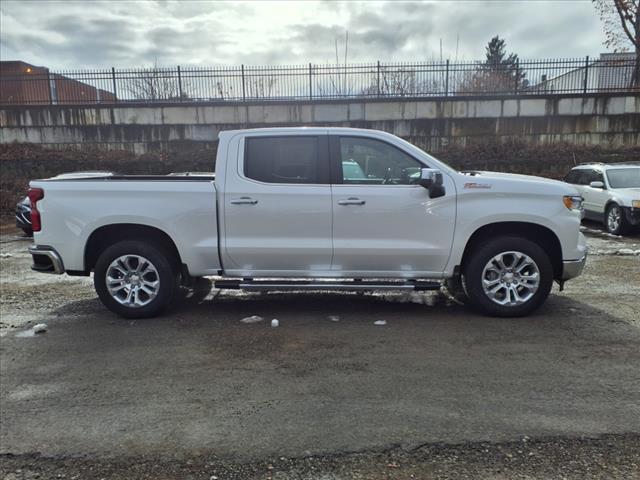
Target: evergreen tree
(499, 73)
(506, 67)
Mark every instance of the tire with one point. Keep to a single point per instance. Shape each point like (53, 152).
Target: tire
(27, 232)
(614, 220)
(518, 283)
(143, 280)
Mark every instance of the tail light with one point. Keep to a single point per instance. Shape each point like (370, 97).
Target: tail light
(35, 194)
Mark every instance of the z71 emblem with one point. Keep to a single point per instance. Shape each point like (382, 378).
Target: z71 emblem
(476, 185)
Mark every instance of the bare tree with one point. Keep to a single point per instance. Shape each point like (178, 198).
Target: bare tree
(391, 81)
(621, 21)
(262, 87)
(155, 83)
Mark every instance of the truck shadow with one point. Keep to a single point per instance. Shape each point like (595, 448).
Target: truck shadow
(204, 306)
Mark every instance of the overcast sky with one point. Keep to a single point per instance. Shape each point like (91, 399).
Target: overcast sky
(124, 33)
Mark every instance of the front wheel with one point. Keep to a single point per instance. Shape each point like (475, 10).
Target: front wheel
(508, 277)
(615, 221)
(135, 279)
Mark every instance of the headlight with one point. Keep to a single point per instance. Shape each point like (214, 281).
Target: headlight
(572, 202)
(635, 204)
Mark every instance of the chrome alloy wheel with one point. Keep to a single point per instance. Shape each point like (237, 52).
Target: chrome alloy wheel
(510, 278)
(614, 217)
(132, 281)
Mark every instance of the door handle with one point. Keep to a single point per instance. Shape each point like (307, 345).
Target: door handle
(351, 201)
(244, 201)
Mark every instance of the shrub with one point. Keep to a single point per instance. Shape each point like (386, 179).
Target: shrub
(20, 163)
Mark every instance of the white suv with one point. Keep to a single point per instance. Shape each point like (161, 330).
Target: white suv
(611, 193)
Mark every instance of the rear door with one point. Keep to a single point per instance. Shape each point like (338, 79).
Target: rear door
(277, 207)
(384, 223)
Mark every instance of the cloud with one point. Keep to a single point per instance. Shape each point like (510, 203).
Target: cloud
(131, 33)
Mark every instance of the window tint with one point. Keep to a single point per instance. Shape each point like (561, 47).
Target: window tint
(597, 177)
(283, 159)
(591, 176)
(583, 176)
(373, 162)
(572, 176)
(624, 177)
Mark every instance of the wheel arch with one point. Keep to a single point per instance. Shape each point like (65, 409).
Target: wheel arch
(535, 232)
(105, 236)
(609, 202)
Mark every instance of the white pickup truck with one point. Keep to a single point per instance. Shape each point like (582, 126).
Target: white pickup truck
(312, 208)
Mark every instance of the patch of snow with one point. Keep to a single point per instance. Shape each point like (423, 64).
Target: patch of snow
(380, 322)
(252, 319)
(40, 328)
(275, 323)
(25, 333)
(619, 251)
(5, 255)
(333, 318)
(429, 299)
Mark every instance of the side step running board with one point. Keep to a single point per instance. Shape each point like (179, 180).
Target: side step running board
(247, 284)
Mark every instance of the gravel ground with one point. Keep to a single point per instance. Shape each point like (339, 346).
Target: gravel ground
(609, 457)
(201, 395)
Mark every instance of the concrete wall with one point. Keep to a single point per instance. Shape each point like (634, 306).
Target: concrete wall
(608, 120)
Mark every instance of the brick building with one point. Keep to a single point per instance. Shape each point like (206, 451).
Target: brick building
(23, 83)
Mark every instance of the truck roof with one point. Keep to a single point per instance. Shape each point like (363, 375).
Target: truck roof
(275, 130)
(608, 166)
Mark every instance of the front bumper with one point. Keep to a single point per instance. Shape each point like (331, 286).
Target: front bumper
(46, 260)
(23, 217)
(632, 215)
(573, 268)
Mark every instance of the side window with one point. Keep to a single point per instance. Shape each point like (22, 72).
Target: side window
(292, 159)
(373, 162)
(572, 176)
(592, 176)
(583, 177)
(598, 176)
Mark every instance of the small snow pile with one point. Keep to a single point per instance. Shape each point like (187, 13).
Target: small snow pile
(627, 251)
(380, 323)
(5, 255)
(40, 328)
(275, 323)
(36, 329)
(333, 318)
(252, 319)
(429, 298)
(620, 252)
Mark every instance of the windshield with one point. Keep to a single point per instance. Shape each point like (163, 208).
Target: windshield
(624, 177)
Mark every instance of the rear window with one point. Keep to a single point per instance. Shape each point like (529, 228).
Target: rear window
(283, 159)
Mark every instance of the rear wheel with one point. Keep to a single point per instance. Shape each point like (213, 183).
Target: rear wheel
(135, 279)
(508, 277)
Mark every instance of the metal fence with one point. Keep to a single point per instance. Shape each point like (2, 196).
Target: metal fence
(38, 85)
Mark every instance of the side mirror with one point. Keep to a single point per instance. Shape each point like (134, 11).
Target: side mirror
(596, 185)
(431, 179)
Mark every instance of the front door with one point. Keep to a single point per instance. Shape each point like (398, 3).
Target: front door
(277, 207)
(384, 224)
(594, 198)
